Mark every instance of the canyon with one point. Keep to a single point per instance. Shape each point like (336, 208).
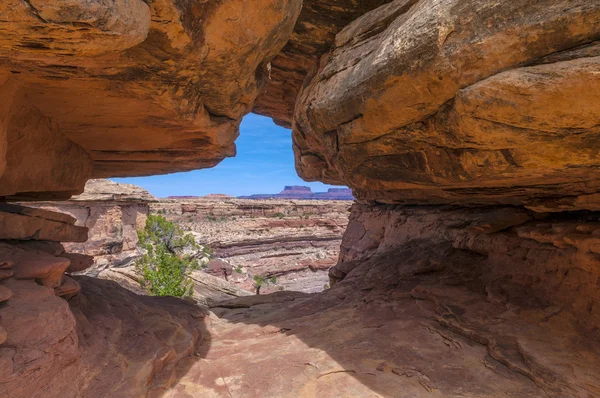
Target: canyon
(469, 134)
(295, 241)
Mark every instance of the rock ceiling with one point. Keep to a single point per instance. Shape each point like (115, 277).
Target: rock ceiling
(408, 101)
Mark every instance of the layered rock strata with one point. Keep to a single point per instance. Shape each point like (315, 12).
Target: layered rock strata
(113, 213)
(31, 255)
(294, 240)
(313, 35)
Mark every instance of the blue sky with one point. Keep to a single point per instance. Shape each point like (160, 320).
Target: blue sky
(264, 164)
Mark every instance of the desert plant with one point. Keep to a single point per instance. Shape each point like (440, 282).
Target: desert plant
(279, 215)
(261, 280)
(169, 258)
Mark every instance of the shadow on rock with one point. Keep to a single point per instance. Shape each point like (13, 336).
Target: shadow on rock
(132, 343)
(414, 322)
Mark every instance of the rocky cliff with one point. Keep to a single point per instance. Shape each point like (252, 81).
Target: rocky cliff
(467, 129)
(112, 213)
(296, 241)
(128, 87)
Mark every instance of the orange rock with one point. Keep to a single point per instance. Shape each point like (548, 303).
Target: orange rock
(46, 269)
(420, 102)
(127, 87)
(68, 288)
(78, 262)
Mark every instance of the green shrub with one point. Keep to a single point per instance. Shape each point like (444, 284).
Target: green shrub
(260, 281)
(166, 266)
(279, 215)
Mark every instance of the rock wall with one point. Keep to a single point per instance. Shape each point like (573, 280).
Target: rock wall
(112, 213)
(538, 260)
(294, 240)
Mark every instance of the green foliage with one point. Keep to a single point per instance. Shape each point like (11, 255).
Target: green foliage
(260, 281)
(169, 258)
(279, 215)
(238, 269)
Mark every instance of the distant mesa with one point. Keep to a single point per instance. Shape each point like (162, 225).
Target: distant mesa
(302, 192)
(209, 196)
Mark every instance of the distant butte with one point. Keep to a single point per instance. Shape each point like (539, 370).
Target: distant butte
(302, 192)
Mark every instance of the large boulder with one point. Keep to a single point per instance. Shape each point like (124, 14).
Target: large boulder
(457, 101)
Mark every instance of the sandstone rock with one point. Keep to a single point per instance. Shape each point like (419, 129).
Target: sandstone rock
(500, 219)
(126, 87)
(313, 34)
(106, 190)
(380, 339)
(78, 262)
(75, 27)
(113, 213)
(6, 273)
(426, 102)
(68, 288)
(517, 264)
(109, 342)
(44, 268)
(5, 293)
(52, 248)
(41, 352)
(22, 226)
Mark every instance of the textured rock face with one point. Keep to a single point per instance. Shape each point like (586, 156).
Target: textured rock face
(485, 111)
(294, 240)
(457, 101)
(524, 258)
(313, 35)
(69, 348)
(124, 88)
(112, 214)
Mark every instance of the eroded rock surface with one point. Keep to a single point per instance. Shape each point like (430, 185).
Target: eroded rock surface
(313, 35)
(127, 87)
(105, 342)
(463, 102)
(112, 213)
(482, 115)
